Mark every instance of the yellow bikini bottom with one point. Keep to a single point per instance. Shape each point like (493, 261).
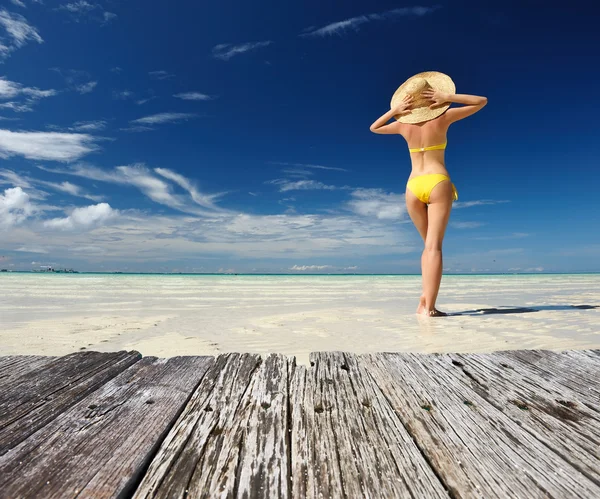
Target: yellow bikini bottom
(422, 186)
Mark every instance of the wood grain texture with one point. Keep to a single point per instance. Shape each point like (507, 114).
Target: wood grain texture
(14, 366)
(231, 440)
(101, 446)
(574, 370)
(346, 439)
(551, 413)
(476, 449)
(36, 397)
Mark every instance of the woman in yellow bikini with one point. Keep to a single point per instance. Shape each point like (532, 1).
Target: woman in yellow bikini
(420, 106)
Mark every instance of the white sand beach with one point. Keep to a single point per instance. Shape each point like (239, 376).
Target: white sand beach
(169, 315)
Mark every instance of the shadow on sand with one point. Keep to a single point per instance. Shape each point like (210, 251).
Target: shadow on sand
(522, 310)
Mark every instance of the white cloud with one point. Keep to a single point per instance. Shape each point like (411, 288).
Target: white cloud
(340, 27)
(86, 88)
(139, 176)
(226, 51)
(310, 267)
(84, 218)
(377, 203)
(161, 75)
(50, 146)
(83, 9)
(305, 165)
(14, 178)
(160, 118)
(78, 7)
(139, 102)
(18, 3)
(301, 185)
(192, 96)
(32, 249)
(88, 126)
(69, 188)
(205, 200)
(466, 225)
(15, 207)
(79, 81)
(8, 177)
(10, 90)
(123, 94)
(480, 202)
(18, 108)
(109, 16)
(18, 30)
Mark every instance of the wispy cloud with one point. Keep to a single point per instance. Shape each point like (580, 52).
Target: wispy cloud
(18, 3)
(153, 186)
(122, 94)
(304, 268)
(83, 10)
(192, 96)
(466, 225)
(69, 188)
(28, 183)
(353, 23)
(109, 16)
(49, 146)
(308, 165)
(301, 185)
(13, 90)
(205, 200)
(226, 51)
(32, 249)
(479, 202)
(161, 118)
(513, 235)
(160, 75)
(13, 179)
(88, 126)
(18, 30)
(77, 80)
(86, 88)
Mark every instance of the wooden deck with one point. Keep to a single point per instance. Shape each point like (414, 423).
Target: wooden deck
(509, 424)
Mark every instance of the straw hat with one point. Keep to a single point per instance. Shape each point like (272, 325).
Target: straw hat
(415, 86)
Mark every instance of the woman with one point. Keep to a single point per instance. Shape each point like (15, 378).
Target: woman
(421, 107)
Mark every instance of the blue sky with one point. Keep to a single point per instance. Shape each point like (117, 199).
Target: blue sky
(161, 136)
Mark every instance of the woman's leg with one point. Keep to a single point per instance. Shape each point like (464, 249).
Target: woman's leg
(438, 214)
(417, 211)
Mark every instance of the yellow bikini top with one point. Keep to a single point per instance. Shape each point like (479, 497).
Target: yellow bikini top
(430, 148)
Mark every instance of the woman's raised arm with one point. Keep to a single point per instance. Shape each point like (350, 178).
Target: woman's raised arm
(472, 104)
(402, 109)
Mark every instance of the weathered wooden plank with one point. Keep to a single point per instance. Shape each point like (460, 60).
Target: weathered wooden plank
(100, 447)
(37, 397)
(476, 449)
(231, 439)
(346, 439)
(14, 366)
(590, 356)
(550, 412)
(577, 375)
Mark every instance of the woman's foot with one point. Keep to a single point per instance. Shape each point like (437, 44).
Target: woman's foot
(436, 313)
(421, 308)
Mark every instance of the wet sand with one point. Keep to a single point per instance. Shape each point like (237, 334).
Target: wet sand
(54, 314)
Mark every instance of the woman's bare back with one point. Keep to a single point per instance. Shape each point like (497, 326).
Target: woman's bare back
(426, 134)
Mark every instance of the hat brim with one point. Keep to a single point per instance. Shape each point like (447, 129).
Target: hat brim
(438, 81)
